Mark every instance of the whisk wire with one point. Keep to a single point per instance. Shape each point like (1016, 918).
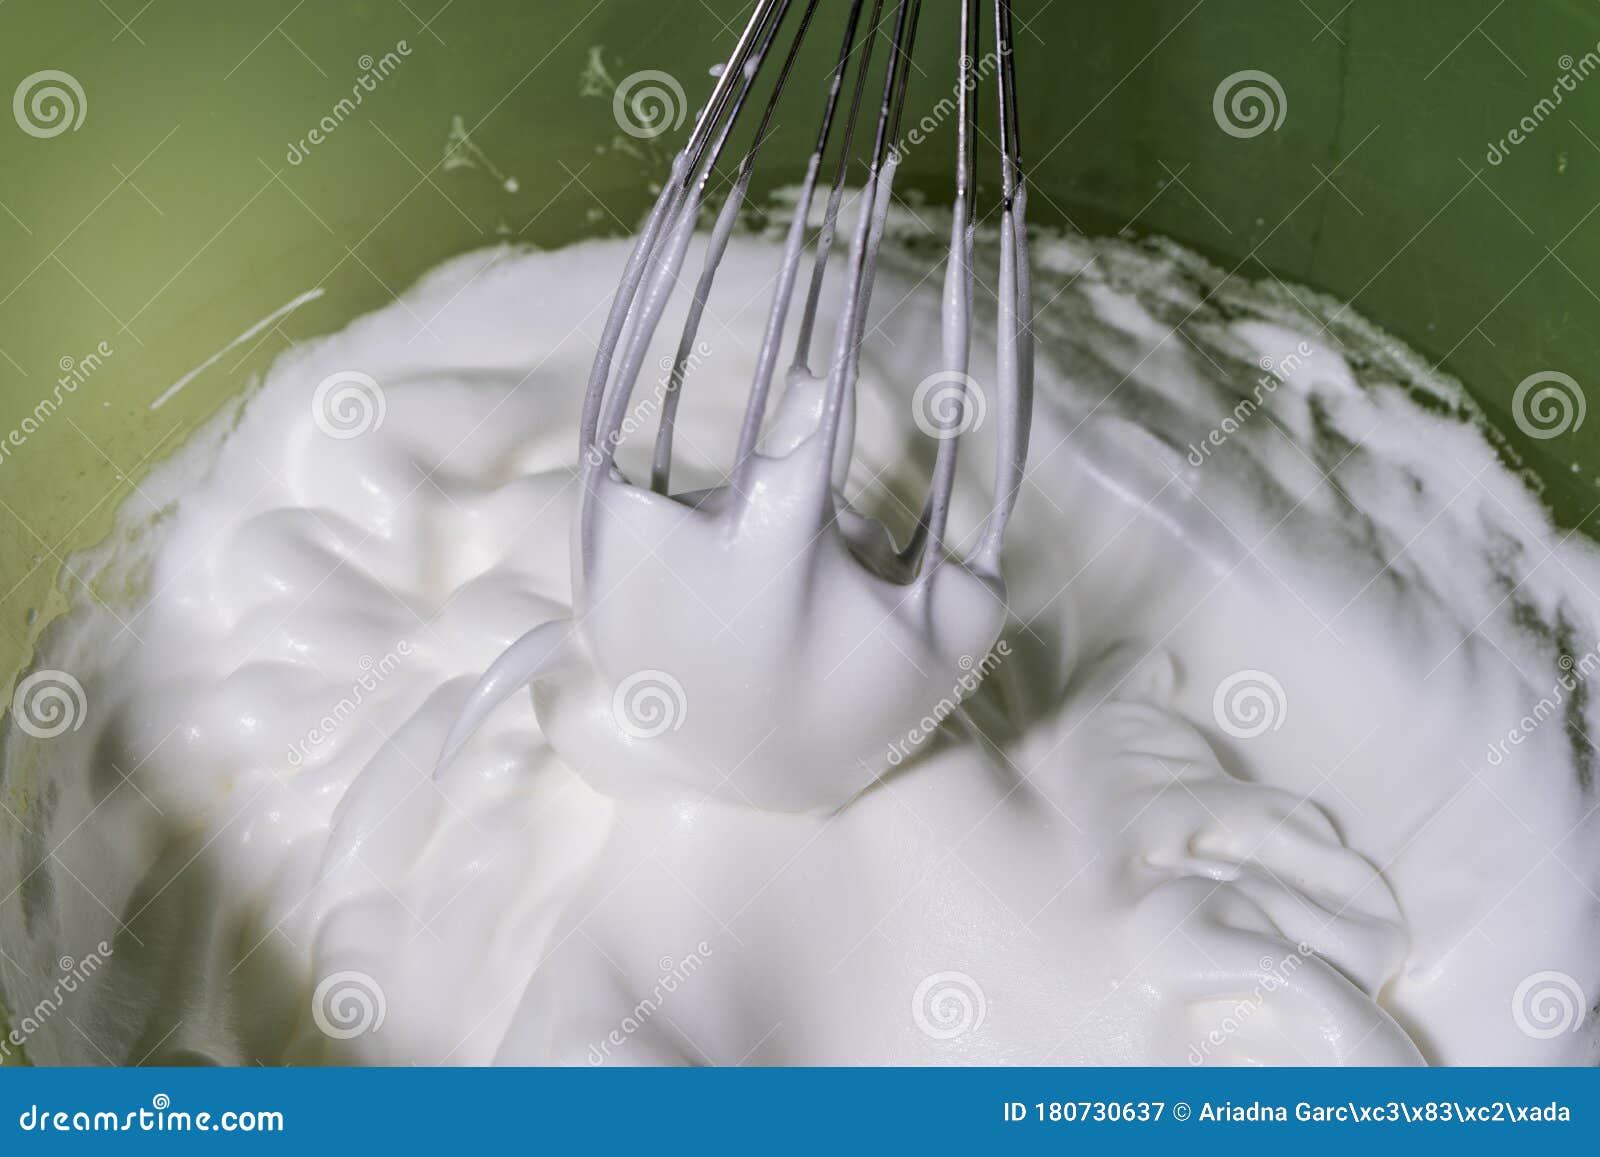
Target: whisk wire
(661, 466)
(846, 362)
(927, 542)
(1015, 345)
(756, 407)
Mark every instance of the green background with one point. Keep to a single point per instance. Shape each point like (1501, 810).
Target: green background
(172, 220)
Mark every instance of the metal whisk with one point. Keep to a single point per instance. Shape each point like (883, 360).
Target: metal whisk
(818, 750)
(654, 268)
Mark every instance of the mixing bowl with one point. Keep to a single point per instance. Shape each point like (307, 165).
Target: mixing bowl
(187, 187)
